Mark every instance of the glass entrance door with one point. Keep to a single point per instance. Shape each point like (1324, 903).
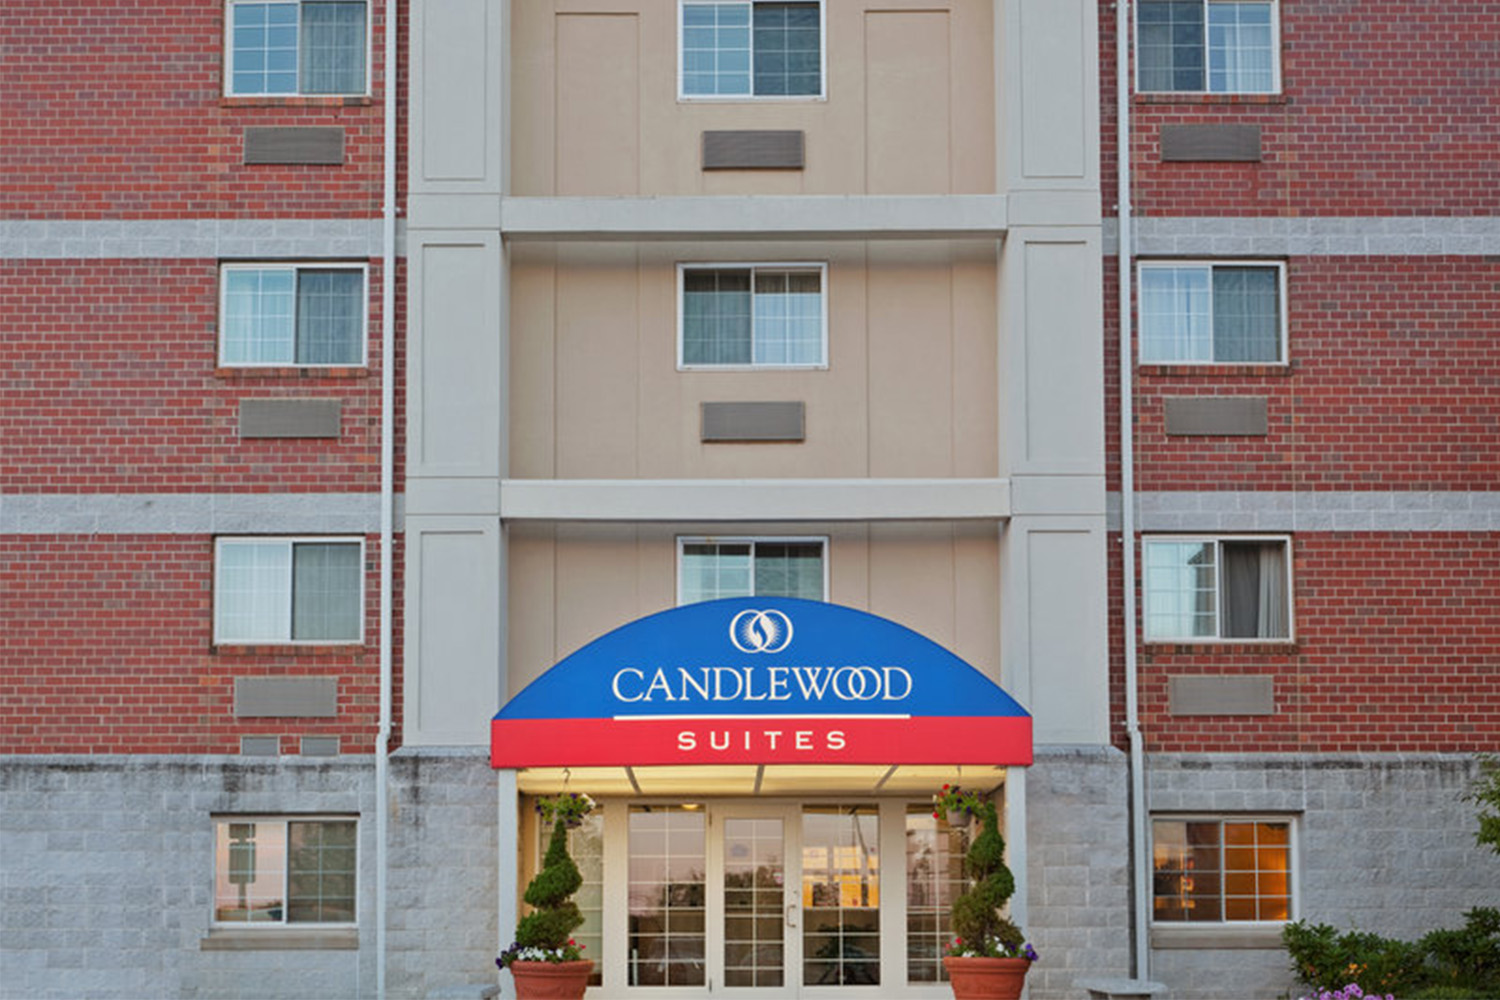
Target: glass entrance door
(758, 911)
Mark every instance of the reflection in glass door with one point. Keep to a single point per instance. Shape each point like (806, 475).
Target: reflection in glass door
(755, 905)
(841, 895)
(668, 878)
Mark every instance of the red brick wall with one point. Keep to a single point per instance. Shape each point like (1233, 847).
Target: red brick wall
(1394, 384)
(1395, 651)
(108, 371)
(1387, 108)
(109, 649)
(116, 108)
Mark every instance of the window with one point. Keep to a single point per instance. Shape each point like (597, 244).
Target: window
(271, 872)
(1212, 314)
(668, 891)
(714, 568)
(769, 315)
(292, 315)
(297, 47)
(283, 590)
(934, 879)
(1217, 588)
(1216, 870)
(1212, 46)
(735, 48)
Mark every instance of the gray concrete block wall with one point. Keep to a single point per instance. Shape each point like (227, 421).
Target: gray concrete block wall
(441, 930)
(1078, 866)
(107, 867)
(1385, 844)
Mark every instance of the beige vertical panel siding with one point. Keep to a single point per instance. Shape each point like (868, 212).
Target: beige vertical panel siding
(910, 294)
(571, 583)
(908, 71)
(909, 390)
(598, 104)
(595, 108)
(596, 364)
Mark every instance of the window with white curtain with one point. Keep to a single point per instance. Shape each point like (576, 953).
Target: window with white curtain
(288, 590)
(710, 568)
(1207, 46)
(751, 48)
(284, 47)
(1212, 313)
(1216, 588)
(761, 315)
(292, 315)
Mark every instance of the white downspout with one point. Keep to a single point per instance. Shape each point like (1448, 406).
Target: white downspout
(1141, 875)
(389, 76)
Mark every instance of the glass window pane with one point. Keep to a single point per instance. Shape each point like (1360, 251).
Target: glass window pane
(666, 896)
(327, 591)
(1176, 318)
(788, 317)
(934, 879)
(1246, 314)
(785, 33)
(321, 872)
(330, 317)
(252, 592)
(840, 896)
(1180, 583)
(789, 569)
(711, 571)
(249, 866)
(259, 317)
(1169, 45)
(333, 47)
(1240, 48)
(716, 317)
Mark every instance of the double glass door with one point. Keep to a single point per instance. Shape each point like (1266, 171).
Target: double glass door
(746, 898)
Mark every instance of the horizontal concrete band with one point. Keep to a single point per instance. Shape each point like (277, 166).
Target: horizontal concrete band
(752, 216)
(1374, 510)
(754, 500)
(1310, 237)
(191, 513)
(191, 239)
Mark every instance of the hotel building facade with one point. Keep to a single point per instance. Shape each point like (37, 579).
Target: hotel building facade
(728, 394)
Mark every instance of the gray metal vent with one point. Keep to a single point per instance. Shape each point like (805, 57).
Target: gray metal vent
(303, 144)
(290, 418)
(1209, 415)
(782, 421)
(1210, 143)
(753, 149)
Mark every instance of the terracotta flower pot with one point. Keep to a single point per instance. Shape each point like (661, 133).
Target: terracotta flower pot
(551, 980)
(986, 978)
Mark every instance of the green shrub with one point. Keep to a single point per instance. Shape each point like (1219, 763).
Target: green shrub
(1443, 965)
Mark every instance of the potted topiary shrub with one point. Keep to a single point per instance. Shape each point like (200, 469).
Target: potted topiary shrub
(545, 960)
(989, 957)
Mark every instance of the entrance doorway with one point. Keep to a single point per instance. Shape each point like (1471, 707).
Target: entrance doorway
(769, 898)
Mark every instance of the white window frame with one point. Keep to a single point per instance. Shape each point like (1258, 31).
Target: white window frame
(1294, 869)
(283, 925)
(1211, 265)
(1218, 541)
(752, 540)
(1276, 83)
(683, 267)
(363, 268)
(821, 95)
(289, 541)
(229, 90)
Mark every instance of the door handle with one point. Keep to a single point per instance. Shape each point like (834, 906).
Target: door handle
(791, 915)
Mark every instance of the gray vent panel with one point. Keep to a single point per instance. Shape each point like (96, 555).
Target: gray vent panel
(290, 418)
(1221, 695)
(781, 421)
(286, 697)
(1221, 415)
(753, 150)
(304, 145)
(1210, 143)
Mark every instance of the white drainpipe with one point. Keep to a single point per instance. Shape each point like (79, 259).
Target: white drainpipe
(1141, 874)
(387, 488)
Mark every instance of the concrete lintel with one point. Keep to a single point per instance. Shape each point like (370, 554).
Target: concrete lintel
(755, 500)
(863, 217)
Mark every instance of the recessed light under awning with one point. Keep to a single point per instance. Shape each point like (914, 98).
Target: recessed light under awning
(758, 779)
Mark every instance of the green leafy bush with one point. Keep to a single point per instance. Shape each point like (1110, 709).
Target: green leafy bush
(1443, 965)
